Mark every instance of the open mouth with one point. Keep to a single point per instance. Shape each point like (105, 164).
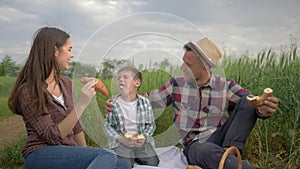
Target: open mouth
(122, 86)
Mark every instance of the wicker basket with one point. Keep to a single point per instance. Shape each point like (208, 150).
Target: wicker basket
(231, 149)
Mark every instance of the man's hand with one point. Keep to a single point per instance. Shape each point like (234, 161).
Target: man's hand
(269, 107)
(108, 104)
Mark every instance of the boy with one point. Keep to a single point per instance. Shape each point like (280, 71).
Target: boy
(131, 123)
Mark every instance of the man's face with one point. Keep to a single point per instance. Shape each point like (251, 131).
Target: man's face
(192, 66)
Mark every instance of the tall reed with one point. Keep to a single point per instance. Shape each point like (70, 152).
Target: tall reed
(274, 142)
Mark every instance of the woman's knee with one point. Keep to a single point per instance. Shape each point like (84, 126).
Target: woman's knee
(106, 154)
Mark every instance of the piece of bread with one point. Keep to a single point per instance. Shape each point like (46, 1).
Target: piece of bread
(138, 137)
(99, 87)
(128, 135)
(134, 137)
(259, 100)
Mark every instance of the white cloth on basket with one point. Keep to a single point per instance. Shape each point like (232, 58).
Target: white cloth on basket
(170, 158)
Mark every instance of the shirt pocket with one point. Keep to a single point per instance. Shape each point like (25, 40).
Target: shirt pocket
(214, 114)
(188, 113)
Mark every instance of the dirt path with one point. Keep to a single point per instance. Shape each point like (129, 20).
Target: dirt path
(10, 130)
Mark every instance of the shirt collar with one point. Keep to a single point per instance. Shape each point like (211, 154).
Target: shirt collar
(211, 82)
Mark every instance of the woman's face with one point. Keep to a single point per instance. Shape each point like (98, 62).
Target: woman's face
(64, 55)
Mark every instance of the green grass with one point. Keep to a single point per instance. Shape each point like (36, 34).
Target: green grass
(6, 85)
(11, 157)
(273, 143)
(4, 110)
(5, 89)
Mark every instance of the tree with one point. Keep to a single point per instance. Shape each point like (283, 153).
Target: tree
(109, 67)
(77, 69)
(8, 67)
(164, 64)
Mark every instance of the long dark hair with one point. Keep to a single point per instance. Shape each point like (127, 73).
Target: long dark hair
(38, 67)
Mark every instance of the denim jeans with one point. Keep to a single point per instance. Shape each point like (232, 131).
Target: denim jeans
(75, 157)
(234, 132)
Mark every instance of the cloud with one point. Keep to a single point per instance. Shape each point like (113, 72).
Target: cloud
(234, 25)
(137, 33)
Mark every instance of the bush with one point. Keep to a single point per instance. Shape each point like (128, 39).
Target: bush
(11, 156)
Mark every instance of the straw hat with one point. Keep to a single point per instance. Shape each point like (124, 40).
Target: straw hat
(207, 50)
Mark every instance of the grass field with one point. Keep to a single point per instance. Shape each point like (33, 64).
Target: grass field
(274, 143)
(6, 84)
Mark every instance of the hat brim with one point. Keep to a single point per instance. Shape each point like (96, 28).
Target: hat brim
(199, 52)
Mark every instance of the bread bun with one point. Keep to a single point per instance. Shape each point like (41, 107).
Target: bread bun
(134, 137)
(259, 100)
(99, 86)
(128, 135)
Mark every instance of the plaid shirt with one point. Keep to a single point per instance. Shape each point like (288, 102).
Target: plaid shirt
(42, 127)
(198, 112)
(114, 122)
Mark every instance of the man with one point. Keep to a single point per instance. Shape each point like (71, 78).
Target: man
(210, 111)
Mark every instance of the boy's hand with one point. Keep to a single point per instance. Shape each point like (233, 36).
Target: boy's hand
(126, 141)
(139, 142)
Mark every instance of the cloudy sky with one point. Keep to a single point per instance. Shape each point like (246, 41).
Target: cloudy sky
(143, 29)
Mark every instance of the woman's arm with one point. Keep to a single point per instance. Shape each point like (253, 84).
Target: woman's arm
(67, 124)
(80, 139)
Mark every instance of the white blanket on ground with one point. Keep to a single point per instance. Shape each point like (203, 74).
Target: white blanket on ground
(170, 158)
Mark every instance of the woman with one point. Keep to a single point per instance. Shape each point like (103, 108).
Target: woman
(44, 98)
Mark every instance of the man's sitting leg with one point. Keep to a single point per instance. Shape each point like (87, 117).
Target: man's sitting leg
(208, 155)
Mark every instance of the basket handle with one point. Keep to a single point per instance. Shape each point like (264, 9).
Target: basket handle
(229, 150)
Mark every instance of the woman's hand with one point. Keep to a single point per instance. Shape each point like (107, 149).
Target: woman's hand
(86, 94)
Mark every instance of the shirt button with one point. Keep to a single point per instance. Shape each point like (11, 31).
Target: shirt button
(205, 109)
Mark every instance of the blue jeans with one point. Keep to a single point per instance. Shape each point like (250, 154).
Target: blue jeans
(234, 132)
(75, 157)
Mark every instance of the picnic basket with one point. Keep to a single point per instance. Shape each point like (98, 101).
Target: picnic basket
(231, 149)
(228, 151)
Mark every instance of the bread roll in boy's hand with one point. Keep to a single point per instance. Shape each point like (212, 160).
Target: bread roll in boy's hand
(134, 137)
(99, 87)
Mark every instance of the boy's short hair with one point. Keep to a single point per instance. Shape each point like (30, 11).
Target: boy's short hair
(137, 75)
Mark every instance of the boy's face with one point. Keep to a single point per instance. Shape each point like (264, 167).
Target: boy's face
(126, 84)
